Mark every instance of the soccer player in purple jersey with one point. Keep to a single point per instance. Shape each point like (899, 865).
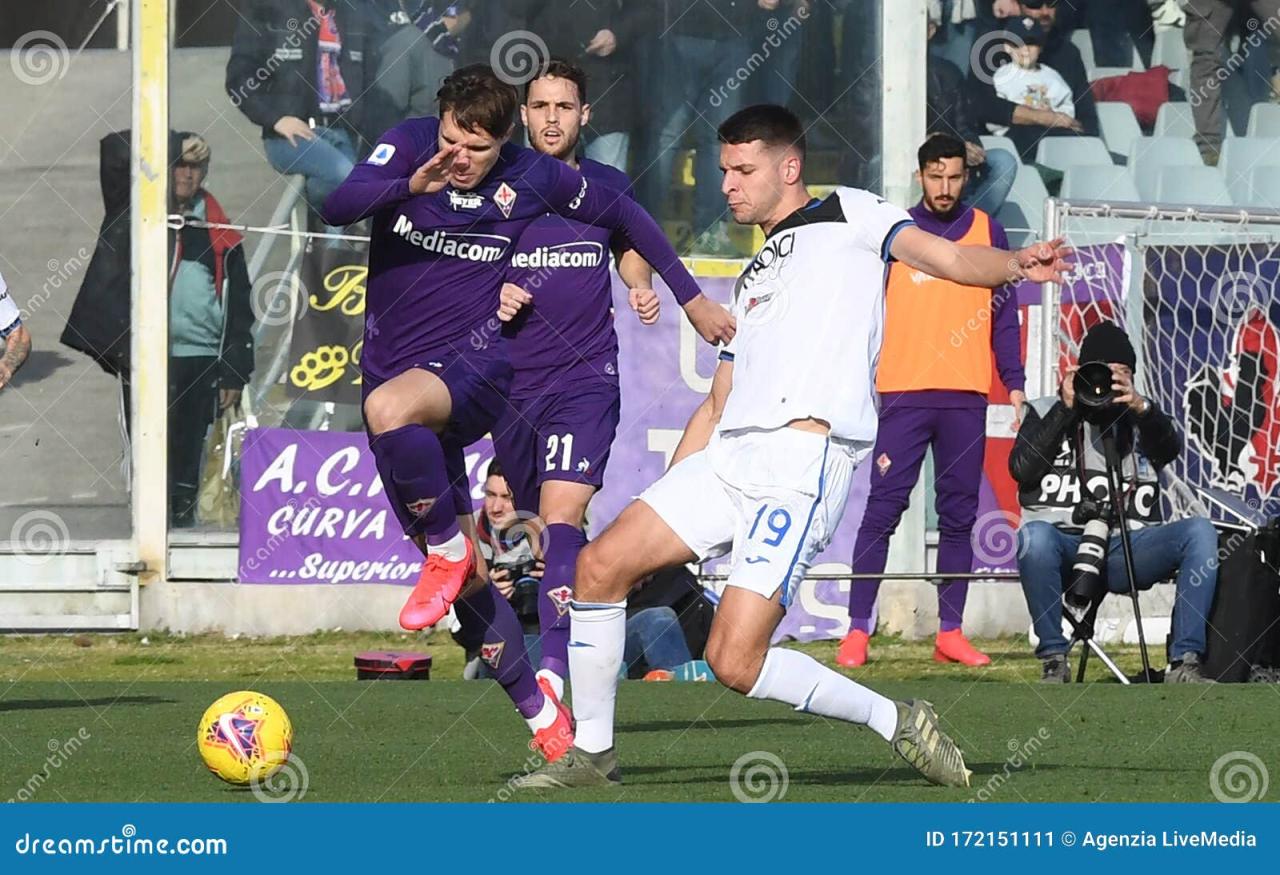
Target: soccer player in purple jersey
(448, 198)
(558, 308)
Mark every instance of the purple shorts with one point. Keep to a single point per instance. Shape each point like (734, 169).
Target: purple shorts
(557, 436)
(478, 382)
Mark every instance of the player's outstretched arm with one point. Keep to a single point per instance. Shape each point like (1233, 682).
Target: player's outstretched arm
(702, 424)
(980, 265)
(572, 197)
(387, 178)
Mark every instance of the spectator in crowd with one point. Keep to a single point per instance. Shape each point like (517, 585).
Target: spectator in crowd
(1024, 98)
(16, 337)
(703, 45)
(958, 23)
(1056, 448)
(934, 378)
(210, 310)
(603, 39)
(305, 85)
(1207, 34)
(210, 323)
(668, 622)
(778, 38)
(418, 44)
(946, 97)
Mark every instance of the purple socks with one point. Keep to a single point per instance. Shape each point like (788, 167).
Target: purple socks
(410, 461)
(564, 543)
(489, 622)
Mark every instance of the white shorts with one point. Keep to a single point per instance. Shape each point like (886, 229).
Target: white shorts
(774, 496)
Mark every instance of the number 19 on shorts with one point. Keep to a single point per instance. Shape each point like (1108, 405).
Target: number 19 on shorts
(770, 527)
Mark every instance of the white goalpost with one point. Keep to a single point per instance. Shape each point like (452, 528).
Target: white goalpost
(1199, 295)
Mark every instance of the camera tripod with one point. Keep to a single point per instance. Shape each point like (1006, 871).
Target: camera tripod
(1082, 626)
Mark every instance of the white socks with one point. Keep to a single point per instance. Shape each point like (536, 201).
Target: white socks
(545, 717)
(597, 638)
(556, 682)
(454, 549)
(807, 685)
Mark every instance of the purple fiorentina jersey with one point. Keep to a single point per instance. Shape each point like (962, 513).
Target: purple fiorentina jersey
(567, 332)
(437, 262)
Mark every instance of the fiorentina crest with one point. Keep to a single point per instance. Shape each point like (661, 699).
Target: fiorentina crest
(560, 597)
(491, 653)
(1233, 409)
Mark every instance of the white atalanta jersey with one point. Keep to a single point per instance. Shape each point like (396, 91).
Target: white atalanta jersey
(810, 314)
(9, 313)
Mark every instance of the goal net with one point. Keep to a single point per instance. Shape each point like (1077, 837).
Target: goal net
(1201, 302)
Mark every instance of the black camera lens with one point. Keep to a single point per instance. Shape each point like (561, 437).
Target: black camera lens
(1092, 384)
(524, 598)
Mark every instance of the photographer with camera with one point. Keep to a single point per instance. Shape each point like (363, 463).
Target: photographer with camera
(1069, 542)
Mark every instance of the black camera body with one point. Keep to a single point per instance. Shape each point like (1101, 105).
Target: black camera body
(524, 597)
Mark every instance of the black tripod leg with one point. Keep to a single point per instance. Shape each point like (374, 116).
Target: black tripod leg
(1084, 662)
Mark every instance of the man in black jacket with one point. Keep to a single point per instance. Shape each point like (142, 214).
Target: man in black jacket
(301, 70)
(210, 309)
(1055, 449)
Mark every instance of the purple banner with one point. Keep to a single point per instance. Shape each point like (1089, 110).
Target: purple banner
(312, 510)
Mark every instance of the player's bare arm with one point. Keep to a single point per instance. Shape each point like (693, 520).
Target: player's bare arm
(981, 265)
(17, 346)
(638, 276)
(702, 424)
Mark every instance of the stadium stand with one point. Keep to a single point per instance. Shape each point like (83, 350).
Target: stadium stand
(1147, 155)
(1063, 152)
(1118, 126)
(1101, 182)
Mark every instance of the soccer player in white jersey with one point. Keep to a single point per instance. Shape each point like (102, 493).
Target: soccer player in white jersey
(766, 461)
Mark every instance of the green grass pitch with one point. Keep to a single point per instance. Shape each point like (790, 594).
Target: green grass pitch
(134, 708)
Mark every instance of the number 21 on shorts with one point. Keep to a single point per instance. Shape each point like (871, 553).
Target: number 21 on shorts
(776, 524)
(563, 444)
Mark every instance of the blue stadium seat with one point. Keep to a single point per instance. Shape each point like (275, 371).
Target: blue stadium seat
(1174, 120)
(1241, 156)
(1264, 120)
(1118, 124)
(1148, 155)
(1096, 73)
(1063, 152)
(1084, 43)
(1102, 182)
(1201, 185)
